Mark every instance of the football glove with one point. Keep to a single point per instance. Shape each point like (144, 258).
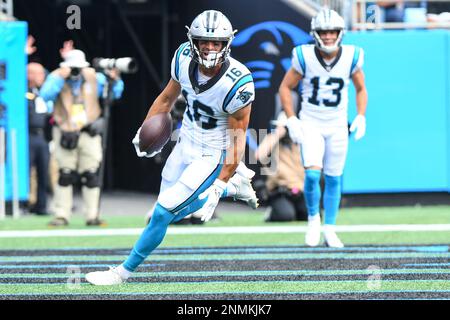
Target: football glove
(359, 124)
(294, 126)
(140, 153)
(213, 194)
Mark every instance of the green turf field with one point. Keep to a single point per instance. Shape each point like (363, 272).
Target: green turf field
(354, 216)
(272, 265)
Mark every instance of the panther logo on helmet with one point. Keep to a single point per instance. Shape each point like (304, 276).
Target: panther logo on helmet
(210, 25)
(327, 19)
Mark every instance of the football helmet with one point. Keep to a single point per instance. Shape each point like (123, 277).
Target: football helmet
(327, 19)
(210, 25)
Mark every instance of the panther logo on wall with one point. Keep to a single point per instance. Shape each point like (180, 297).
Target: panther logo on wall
(274, 41)
(265, 49)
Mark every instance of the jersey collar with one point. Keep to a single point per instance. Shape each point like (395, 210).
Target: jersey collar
(326, 66)
(199, 88)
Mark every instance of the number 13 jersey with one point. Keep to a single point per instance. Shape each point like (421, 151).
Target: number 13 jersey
(325, 85)
(209, 105)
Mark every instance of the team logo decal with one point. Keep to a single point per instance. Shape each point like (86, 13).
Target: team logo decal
(244, 96)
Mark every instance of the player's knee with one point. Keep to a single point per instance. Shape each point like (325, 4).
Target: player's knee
(332, 181)
(312, 176)
(313, 168)
(67, 177)
(90, 179)
(161, 215)
(173, 197)
(166, 200)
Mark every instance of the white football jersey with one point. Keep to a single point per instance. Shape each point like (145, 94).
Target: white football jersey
(325, 86)
(205, 119)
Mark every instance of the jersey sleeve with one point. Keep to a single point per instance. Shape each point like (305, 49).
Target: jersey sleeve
(240, 95)
(298, 60)
(358, 60)
(182, 52)
(172, 68)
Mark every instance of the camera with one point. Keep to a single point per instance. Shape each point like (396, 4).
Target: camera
(261, 190)
(124, 65)
(75, 72)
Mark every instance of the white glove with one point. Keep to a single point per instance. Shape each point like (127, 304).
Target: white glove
(214, 192)
(294, 126)
(140, 153)
(359, 124)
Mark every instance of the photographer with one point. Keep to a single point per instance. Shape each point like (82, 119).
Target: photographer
(75, 89)
(39, 154)
(283, 188)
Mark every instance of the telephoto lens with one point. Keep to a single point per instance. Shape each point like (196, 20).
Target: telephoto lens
(124, 65)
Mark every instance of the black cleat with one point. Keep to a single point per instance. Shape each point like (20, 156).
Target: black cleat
(197, 220)
(183, 221)
(58, 222)
(96, 223)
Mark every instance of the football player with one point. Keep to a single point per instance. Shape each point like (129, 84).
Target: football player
(325, 69)
(219, 92)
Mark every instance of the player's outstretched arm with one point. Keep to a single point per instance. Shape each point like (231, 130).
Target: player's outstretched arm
(359, 123)
(290, 81)
(361, 92)
(163, 103)
(166, 99)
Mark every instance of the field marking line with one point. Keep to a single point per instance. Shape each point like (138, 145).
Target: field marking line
(222, 230)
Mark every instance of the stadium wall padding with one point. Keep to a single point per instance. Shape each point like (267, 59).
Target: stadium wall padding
(13, 111)
(406, 147)
(407, 72)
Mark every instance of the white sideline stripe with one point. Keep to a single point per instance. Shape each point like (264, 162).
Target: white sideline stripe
(220, 230)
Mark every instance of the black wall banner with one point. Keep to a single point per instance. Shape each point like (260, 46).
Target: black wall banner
(267, 32)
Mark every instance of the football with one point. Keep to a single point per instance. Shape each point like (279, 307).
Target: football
(155, 132)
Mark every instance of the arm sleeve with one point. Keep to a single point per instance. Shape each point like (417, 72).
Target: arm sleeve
(180, 53)
(172, 68)
(358, 60)
(241, 94)
(298, 61)
(51, 87)
(117, 87)
(101, 80)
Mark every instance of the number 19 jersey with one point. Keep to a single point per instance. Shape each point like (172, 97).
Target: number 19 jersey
(325, 86)
(209, 105)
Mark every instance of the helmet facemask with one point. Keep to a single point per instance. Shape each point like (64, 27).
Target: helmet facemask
(214, 58)
(328, 49)
(210, 25)
(327, 20)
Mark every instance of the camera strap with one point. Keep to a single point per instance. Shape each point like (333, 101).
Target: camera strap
(77, 112)
(77, 90)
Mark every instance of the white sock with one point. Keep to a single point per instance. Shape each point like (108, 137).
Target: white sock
(124, 273)
(314, 218)
(329, 228)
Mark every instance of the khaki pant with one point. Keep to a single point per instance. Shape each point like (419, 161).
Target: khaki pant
(86, 157)
(53, 176)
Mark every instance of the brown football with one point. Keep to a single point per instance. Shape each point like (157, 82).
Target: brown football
(155, 132)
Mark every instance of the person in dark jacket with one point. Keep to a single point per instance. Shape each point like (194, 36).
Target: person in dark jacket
(39, 155)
